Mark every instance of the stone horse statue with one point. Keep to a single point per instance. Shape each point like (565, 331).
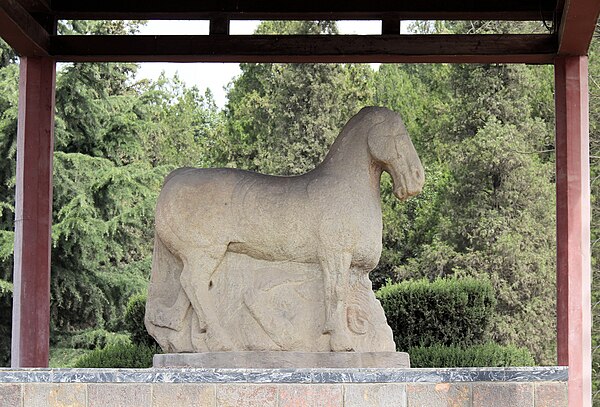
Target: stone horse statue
(328, 219)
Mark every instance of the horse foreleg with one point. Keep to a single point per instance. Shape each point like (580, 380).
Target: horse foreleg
(336, 270)
(196, 280)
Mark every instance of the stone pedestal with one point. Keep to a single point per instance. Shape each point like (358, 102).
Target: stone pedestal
(283, 360)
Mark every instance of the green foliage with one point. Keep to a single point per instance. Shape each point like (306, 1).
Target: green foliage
(6, 290)
(281, 118)
(484, 355)
(134, 320)
(115, 356)
(65, 357)
(115, 140)
(97, 338)
(485, 134)
(445, 311)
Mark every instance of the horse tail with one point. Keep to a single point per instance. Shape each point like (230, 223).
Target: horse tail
(168, 309)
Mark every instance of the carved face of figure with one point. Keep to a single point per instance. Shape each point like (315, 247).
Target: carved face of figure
(391, 147)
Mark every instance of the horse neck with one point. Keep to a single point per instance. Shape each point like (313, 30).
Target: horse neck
(349, 159)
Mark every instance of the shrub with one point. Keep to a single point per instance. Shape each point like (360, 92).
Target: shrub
(97, 338)
(489, 354)
(6, 290)
(134, 320)
(123, 355)
(447, 311)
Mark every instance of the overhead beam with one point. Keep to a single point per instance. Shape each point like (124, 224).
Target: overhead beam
(306, 9)
(577, 26)
(36, 6)
(515, 48)
(21, 31)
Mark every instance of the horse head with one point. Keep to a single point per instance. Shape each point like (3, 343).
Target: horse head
(391, 148)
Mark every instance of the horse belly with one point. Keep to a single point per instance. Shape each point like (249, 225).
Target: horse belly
(275, 237)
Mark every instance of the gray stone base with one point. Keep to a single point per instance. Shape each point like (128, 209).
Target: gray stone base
(280, 360)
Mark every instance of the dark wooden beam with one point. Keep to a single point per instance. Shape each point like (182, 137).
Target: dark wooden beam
(391, 26)
(306, 9)
(21, 31)
(577, 26)
(36, 6)
(219, 26)
(310, 48)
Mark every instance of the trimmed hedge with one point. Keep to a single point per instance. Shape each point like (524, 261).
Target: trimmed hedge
(134, 320)
(446, 311)
(489, 354)
(113, 356)
(97, 338)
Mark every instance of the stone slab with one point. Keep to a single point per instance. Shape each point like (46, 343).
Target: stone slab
(283, 360)
(316, 395)
(119, 395)
(552, 394)
(375, 395)
(503, 395)
(183, 395)
(10, 395)
(439, 394)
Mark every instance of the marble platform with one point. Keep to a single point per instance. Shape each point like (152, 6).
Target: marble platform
(304, 376)
(362, 387)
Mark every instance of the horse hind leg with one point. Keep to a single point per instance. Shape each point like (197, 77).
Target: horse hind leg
(196, 280)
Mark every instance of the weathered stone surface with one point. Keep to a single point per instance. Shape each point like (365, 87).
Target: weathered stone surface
(551, 394)
(270, 360)
(438, 395)
(375, 395)
(246, 395)
(10, 395)
(183, 395)
(318, 395)
(251, 262)
(54, 394)
(503, 395)
(119, 395)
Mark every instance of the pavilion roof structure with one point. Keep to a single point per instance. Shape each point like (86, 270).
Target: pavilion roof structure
(29, 26)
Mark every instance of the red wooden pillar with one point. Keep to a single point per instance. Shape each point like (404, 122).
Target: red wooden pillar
(33, 213)
(573, 226)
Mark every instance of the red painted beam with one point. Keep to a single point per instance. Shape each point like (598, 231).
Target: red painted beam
(573, 277)
(33, 219)
(577, 26)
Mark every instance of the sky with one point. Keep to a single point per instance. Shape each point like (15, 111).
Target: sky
(216, 76)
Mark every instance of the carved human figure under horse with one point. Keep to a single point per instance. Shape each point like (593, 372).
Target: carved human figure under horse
(330, 217)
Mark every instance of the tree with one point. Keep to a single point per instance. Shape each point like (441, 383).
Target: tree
(487, 141)
(115, 140)
(281, 118)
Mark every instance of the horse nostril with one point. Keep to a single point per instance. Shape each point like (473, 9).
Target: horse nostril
(417, 173)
